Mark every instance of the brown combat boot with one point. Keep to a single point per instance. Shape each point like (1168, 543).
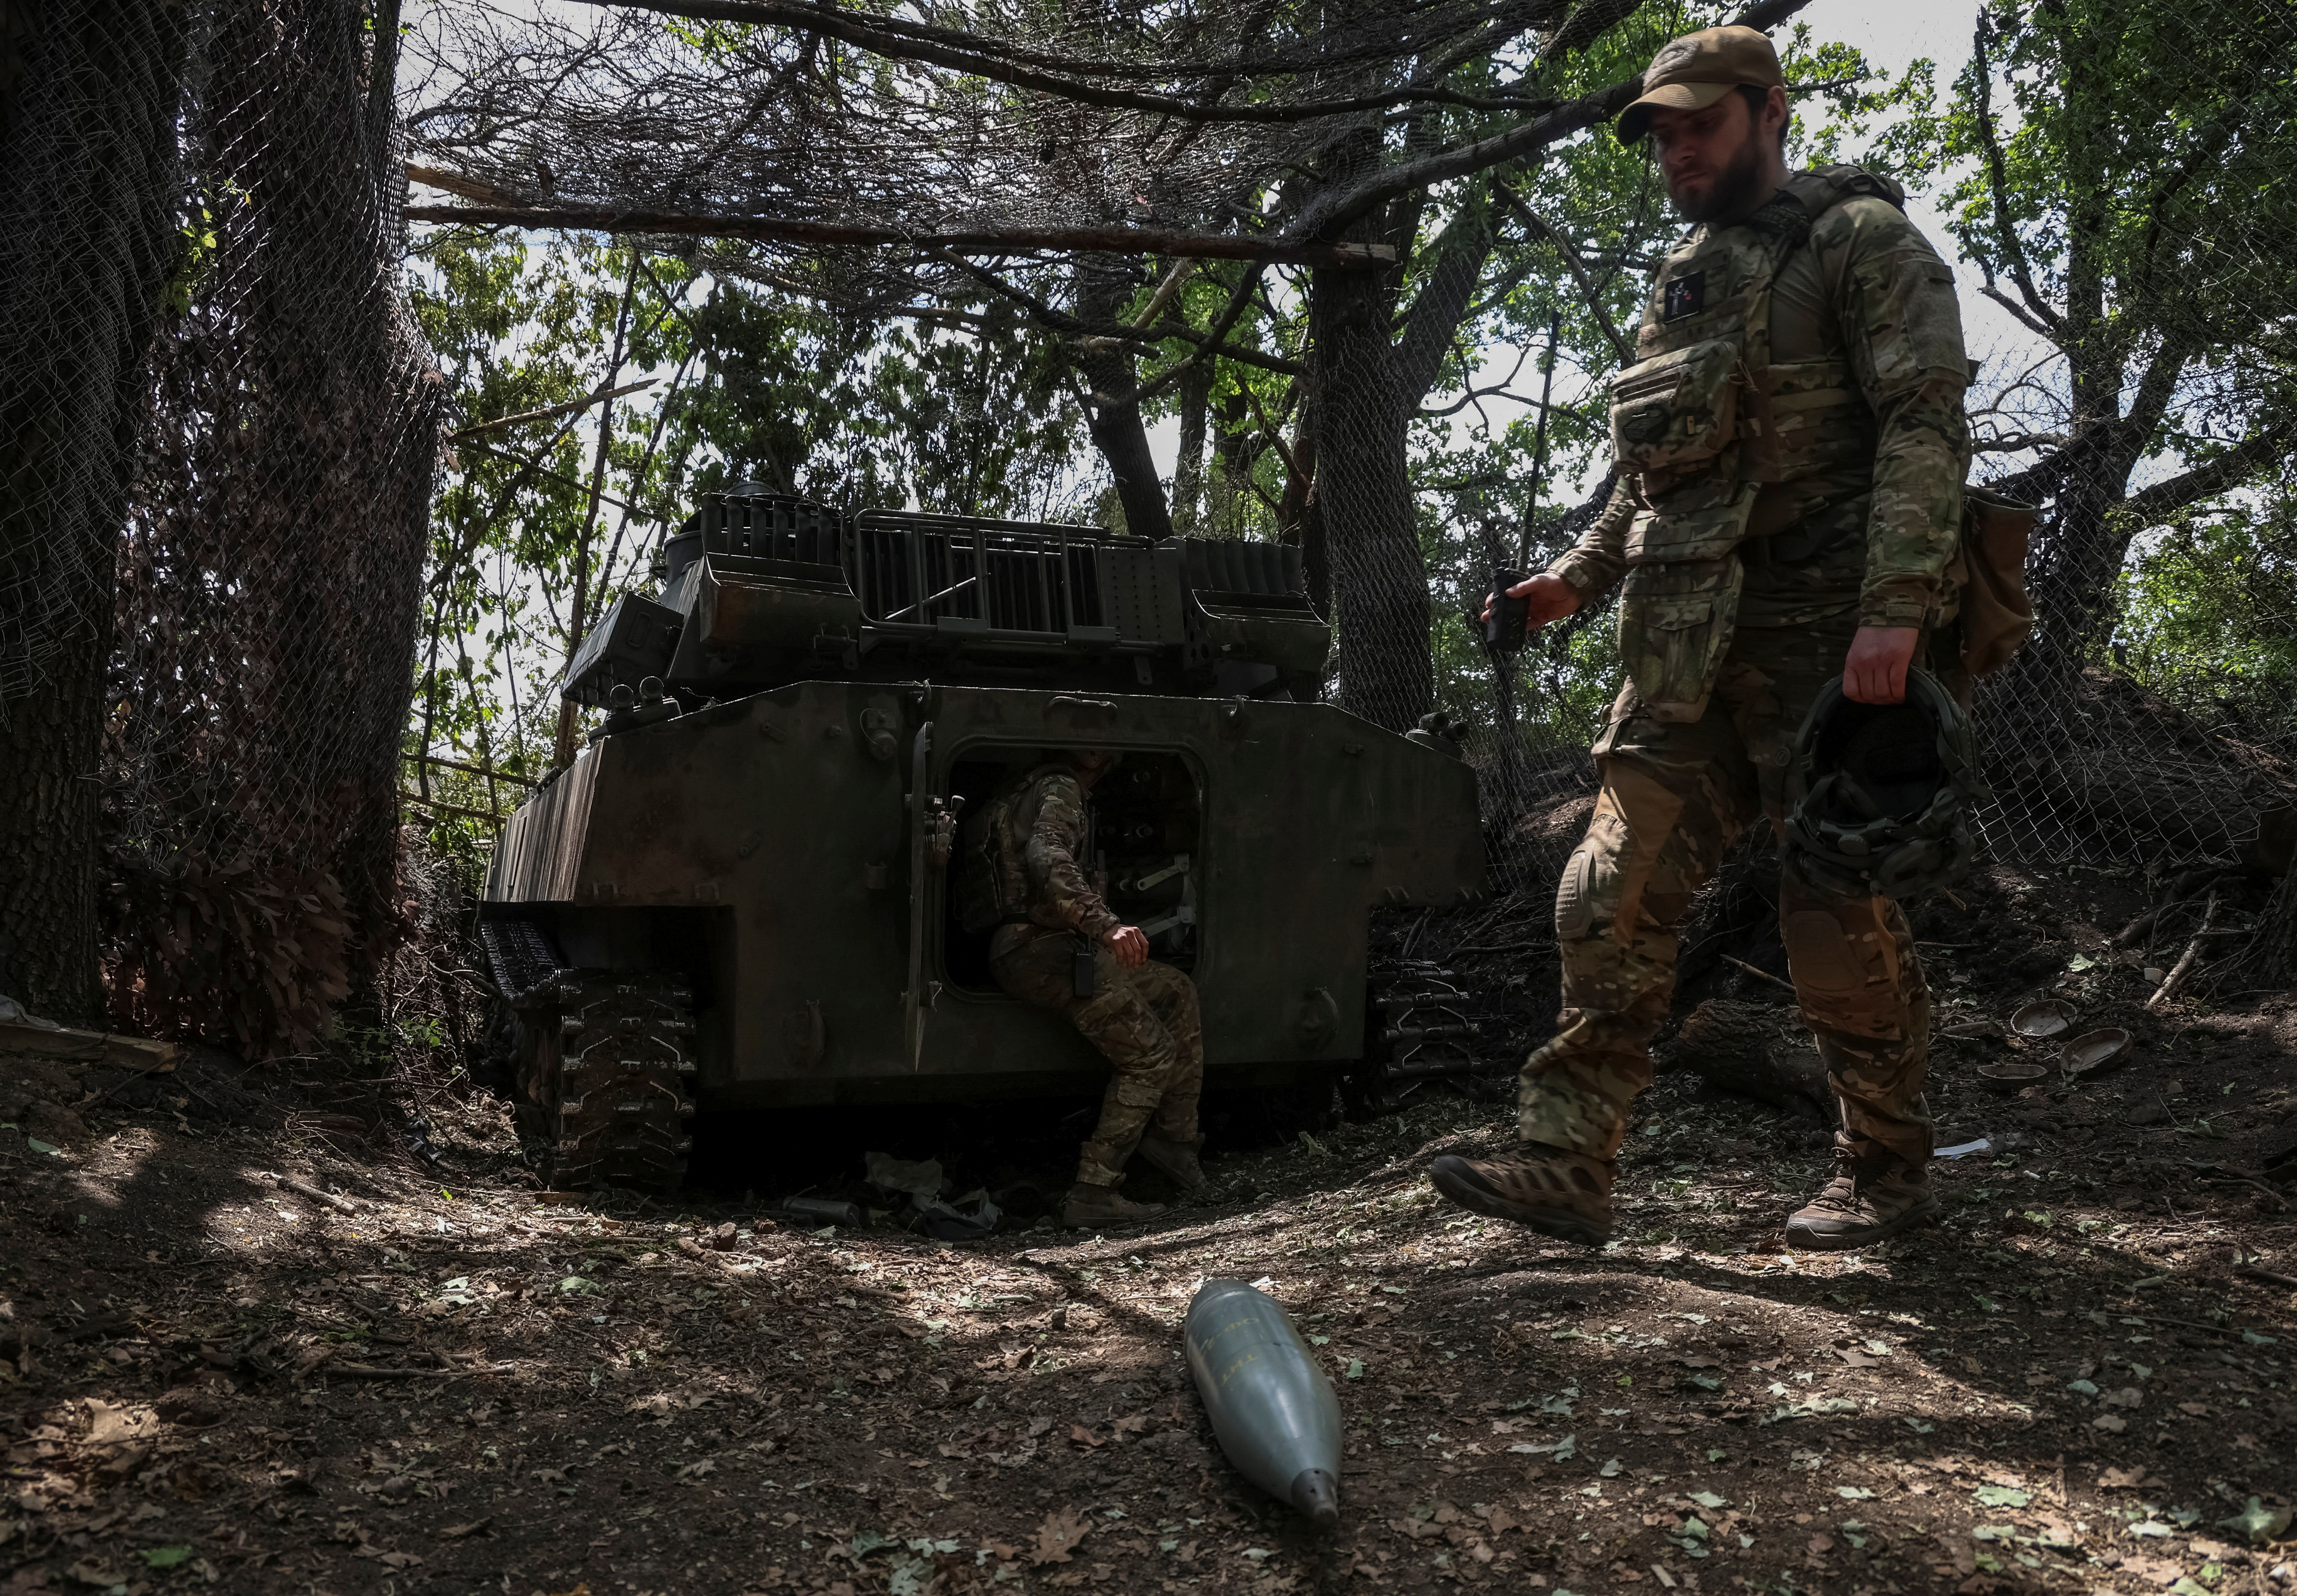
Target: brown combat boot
(1871, 1196)
(1176, 1159)
(1089, 1207)
(1560, 1194)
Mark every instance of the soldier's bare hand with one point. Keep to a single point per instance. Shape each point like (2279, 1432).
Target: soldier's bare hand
(1130, 944)
(1875, 670)
(1549, 599)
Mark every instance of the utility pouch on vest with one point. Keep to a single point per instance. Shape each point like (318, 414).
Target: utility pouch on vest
(1989, 567)
(1680, 601)
(1678, 409)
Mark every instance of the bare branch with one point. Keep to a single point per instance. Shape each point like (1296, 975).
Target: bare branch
(2153, 505)
(574, 482)
(2025, 319)
(999, 240)
(1116, 332)
(991, 59)
(1330, 216)
(1998, 181)
(1538, 226)
(2020, 442)
(548, 410)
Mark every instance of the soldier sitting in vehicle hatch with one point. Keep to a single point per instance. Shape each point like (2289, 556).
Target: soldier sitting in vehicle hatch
(1057, 945)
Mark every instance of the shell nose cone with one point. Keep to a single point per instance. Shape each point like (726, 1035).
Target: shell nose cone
(1317, 1495)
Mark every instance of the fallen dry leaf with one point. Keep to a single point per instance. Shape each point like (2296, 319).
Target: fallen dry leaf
(1085, 1437)
(1058, 1536)
(455, 1532)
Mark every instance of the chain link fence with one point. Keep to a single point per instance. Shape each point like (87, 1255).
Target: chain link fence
(245, 519)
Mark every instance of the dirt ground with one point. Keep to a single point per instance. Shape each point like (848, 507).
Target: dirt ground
(210, 1378)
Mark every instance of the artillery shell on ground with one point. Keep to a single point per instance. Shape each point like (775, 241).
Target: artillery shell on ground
(1272, 1409)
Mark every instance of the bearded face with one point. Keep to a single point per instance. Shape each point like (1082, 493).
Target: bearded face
(1734, 189)
(1715, 159)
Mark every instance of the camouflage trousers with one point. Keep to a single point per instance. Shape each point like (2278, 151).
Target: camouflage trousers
(1143, 1020)
(1675, 798)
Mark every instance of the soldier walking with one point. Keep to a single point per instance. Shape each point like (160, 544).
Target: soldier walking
(1058, 946)
(1791, 446)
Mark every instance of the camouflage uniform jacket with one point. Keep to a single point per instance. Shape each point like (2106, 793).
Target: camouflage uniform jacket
(1040, 831)
(1860, 500)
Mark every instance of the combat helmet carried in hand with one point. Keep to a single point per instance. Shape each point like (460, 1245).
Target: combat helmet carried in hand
(1878, 796)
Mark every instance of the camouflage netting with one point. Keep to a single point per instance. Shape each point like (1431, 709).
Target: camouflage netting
(1002, 145)
(269, 577)
(278, 453)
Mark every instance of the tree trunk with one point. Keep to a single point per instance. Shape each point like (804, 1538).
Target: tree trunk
(1222, 511)
(1300, 513)
(1364, 489)
(1117, 430)
(88, 100)
(1195, 393)
(578, 613)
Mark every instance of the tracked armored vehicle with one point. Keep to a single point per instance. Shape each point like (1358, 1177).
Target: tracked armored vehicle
(740, 894)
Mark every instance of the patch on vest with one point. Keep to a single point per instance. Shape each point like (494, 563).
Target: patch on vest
(1683, 296)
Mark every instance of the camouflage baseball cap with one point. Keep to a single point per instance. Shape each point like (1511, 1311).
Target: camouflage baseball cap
(1693, 72)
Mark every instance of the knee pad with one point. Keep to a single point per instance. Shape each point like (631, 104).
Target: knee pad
(1587, 893)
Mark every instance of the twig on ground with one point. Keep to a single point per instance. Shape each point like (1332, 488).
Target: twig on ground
(2168, 988)
(370, 1372)
(1751, 970)
(2187, 1324)
(2249, 1272)
(2236, 1178)
(341, 1205)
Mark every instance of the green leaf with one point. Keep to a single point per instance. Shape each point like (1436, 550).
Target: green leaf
(166, 1556)
(2258, 1522)
(2083, 1388)
(1355, 1370)
(1853, 1492)
(576, 1286)
(2000, 1496)
(38, 1146)
(1708, 1500)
